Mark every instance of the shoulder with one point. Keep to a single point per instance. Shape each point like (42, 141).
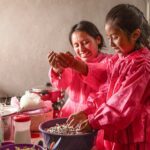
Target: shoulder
(141, 56)
(139, 60)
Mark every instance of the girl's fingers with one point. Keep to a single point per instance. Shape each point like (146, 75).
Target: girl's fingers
(85, 127)
(69, 119)
(72, 121)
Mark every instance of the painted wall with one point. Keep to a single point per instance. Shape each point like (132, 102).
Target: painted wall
(30, 28)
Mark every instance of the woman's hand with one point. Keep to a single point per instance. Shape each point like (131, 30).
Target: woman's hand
(66, 60)
(59, 61)
(53, 61)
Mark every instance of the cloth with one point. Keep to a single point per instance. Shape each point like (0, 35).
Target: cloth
(77, 90)
(125, 116)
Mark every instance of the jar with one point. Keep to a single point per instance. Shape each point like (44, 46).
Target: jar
(1, 130)
(22, 133)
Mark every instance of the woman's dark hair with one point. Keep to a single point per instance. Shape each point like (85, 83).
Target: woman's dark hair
(128, 18)
(89, 28)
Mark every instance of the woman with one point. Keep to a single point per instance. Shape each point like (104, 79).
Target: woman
(65, 72)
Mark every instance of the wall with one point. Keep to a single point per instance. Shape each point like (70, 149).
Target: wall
(30, 28)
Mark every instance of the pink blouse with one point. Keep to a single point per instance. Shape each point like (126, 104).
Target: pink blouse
(78, 90)
(125, 116)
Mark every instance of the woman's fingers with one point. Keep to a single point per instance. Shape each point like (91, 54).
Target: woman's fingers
(68, 53)
(60, 59)
(63, 60)
(51, 56)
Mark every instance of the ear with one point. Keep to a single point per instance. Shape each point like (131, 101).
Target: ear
(136, 34)
(98, 40)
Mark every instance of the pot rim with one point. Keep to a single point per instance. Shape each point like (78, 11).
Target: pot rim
(61, 135)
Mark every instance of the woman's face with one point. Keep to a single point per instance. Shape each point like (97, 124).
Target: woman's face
(85, 46)
(118, 40)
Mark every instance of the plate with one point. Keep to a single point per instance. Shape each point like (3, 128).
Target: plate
(8, 110)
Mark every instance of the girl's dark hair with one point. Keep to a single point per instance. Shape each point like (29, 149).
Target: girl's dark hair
(89, 28)
(128, 18)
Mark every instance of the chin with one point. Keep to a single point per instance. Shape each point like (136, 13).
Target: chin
(121, 54)
(84, 59)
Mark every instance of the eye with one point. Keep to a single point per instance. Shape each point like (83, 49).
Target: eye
(75, 45)
(85, 42)
(114, 37)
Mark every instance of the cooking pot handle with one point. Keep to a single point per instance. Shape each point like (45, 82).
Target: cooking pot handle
(55, 146)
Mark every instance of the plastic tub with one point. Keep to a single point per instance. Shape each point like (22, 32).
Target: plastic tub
(21, 146)
(83, 141)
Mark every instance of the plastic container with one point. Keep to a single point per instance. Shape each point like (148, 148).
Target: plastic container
(20, 146)
(1, 130)
(83, 141)
(22, 129)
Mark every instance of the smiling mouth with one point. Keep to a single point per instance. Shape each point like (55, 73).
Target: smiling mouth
(84, 55)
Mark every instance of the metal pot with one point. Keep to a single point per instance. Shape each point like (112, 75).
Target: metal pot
(48, 93)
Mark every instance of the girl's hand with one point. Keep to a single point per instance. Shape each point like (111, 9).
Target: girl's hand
(77, 119)
(85, 127)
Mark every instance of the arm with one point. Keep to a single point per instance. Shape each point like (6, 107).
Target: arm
(124, 105)
(63, 66)
(97, 75)
(67, 60)
(59, 76)
(62, 80)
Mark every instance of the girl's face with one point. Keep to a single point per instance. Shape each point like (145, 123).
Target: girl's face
(119, 41)
(85, 46)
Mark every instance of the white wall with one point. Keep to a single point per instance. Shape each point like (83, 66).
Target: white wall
(30, 28)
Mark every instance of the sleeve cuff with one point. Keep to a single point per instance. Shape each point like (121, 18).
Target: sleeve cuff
(94, 123)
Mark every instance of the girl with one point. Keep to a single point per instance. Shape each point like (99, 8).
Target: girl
(125, 116)
(87, 42)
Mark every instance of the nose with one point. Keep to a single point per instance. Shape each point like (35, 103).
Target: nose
(111, 43)
(81, 47)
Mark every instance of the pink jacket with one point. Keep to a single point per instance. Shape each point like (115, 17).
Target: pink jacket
(77, 90)
(125, 116)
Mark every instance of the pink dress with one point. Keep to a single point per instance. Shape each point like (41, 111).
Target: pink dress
(125, 116)
(78, 90)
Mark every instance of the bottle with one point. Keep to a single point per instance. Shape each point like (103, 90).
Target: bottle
(1, 130)
(22, 133)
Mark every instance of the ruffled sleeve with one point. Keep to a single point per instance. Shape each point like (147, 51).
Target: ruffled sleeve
(97, 75)
(62, 80)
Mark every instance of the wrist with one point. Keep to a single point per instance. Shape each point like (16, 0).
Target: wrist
(57, 72)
